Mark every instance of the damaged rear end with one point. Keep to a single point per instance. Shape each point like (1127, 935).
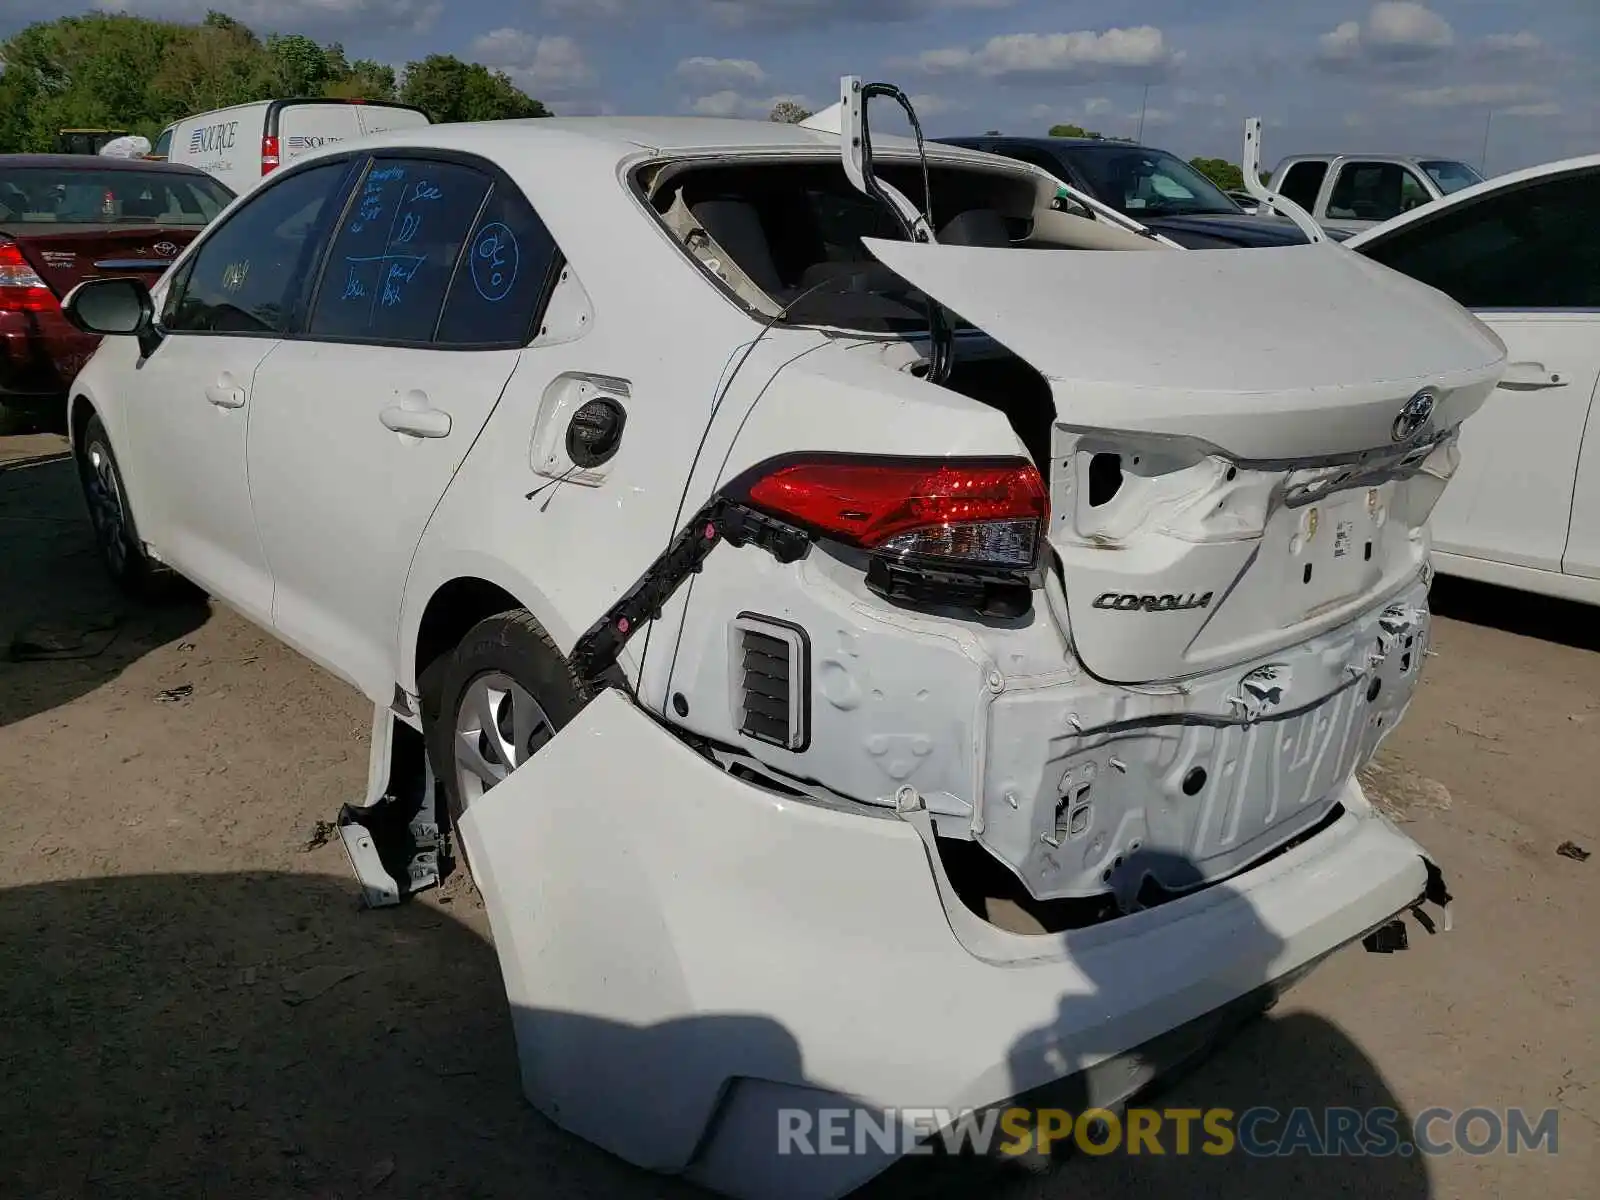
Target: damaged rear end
(1031, 684)
(1237, 545)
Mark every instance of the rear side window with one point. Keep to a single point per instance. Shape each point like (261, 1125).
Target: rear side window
(498, 287)
(245, 276)
(394, 257)
(1302, 182)
(1528, 248)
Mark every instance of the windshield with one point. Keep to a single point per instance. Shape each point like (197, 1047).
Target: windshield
(1451, 176)
(1140, 182)
(90, 196)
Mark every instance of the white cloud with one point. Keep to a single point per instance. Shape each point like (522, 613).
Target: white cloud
(550, 64)
(1474, 95)
(731, 103)
(1097, 105)
(1084, 54)
(929, 105)
(709, 72)
(719, 104)
(1396, 31)
(1192, 99)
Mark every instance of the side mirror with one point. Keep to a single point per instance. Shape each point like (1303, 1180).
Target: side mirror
(114, 307)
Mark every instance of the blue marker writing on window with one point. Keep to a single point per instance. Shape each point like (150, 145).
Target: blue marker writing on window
(495, 259)
(391, 272)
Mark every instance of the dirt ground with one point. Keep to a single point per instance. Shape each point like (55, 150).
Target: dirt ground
(193, 1004)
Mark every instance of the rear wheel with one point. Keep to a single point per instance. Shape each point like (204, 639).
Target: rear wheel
(492, 703)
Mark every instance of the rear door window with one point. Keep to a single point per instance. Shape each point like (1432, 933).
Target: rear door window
(1302, 183)
(395, 255)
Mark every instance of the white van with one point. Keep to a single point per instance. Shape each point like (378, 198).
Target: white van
(240, 145)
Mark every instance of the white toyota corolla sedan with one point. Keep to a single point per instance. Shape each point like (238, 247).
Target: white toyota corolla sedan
(878, 646)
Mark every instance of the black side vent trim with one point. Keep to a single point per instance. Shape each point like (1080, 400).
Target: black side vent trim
(771, 661)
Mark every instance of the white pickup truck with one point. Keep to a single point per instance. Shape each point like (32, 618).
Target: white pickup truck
(1350, 192)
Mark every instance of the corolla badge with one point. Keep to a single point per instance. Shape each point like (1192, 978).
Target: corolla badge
(165, 249)
(1415, 413)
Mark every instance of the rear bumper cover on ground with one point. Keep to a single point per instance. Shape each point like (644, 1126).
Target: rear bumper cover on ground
(686, 954)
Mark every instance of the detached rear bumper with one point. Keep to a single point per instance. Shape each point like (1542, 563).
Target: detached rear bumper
(686, 955)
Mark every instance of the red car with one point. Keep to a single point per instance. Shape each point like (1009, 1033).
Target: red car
(65, 218)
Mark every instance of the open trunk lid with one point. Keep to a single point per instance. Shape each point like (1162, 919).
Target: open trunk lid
(1246, 445)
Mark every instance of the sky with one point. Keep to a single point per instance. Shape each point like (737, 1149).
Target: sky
(1332, 75)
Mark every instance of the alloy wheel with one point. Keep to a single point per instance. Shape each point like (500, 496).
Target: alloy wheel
(498, 727)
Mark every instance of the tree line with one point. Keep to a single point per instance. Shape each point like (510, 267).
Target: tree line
(111, 71)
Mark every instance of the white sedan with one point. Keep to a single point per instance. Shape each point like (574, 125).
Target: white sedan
(839, 701)
(1520, 251)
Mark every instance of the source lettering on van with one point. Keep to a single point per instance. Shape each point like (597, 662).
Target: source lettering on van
(311, 141)
(213, 138)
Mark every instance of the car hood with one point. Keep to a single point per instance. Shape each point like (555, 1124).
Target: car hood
(1287, 353)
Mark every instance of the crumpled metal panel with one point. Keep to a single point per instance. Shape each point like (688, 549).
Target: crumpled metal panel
(1095, 800)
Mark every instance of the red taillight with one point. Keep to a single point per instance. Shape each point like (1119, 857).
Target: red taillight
(21, 289)
(983, 512)
(269, 154)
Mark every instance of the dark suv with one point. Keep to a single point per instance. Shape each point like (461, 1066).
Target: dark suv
(1155, 188)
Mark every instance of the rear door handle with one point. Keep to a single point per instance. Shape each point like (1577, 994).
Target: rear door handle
(225, 395)
(418, 422)
(1530, 377)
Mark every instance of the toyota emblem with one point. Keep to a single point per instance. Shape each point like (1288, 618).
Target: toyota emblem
(1415, 414)
(165, 249)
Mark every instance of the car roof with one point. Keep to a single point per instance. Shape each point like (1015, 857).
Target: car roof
(1386, 158)
(629, 135)
(1468, 194)
(96, 162)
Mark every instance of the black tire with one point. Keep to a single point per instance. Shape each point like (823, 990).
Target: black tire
(512, 645)
(130, 568)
